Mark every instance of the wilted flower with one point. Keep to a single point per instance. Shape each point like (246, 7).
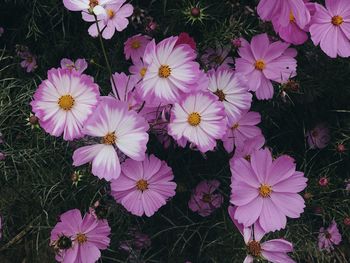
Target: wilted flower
(329, 237)
(33, 121)
(80, 65)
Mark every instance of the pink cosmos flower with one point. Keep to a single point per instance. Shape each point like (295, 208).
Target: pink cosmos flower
(118, 128)
(64, 101)
(218, 58)
(231, 90)
(184, 38)
(116, 18)
(249, 146)
(318, 137)
(331, 28)
(144, 187)
(171, 71)
(266, 190)
(200, 119)
(78, 239)
(262, 61)
(205, 199)
(283, 10)
(90, 6)
(241, 129)
(329, 237)
(274, 250)
(135, 46)
(138, 69)
(29, 63)
(79, 65)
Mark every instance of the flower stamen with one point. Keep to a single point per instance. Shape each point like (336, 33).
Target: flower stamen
(136, 44)
(164, 71)
(194, 119)
(81, 238)
(66, 102)
(220, 94)
(254, 248)
(142, 185)
(260, 65)
(265, 190)
(109, 139)
(337, 20)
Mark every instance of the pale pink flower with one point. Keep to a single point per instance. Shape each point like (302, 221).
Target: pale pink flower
(205, 198)
(135, 46)
(80, 65)
(90, 6)
(200, 119)
(144, 187)
(138, 69)
(118, 128)
(64, 101)
(329, 237)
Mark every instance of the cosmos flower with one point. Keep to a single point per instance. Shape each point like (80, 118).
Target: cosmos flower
(135, 46)
(319, 137)
(241, 129)
(330, 28)
(29, 63)
(64, 101)
(205, 199)
(144, 187)
(200, 119)
(80, 65)
(90, 6)
(118, 129)
(329, 237)
(274, 250)
(262, 61)
(76, 239)
(231, 90)
(171, 71)
(266, 190)
(249, 146)
(116, 18)
(138, 69)
(218, 58)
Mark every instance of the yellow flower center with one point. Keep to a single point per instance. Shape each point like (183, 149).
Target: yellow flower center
(260, 64)
(135, 44)
(254, 248)
(291, 17)
(109, 139)
(81, 238)
(337, 20)
(142, 185)
(265, 190)
(220, 94)
(110, 13)
(194, 119)
(164, 71)
(66, 102)
(143, 72)
(93, 3)
(235, 126)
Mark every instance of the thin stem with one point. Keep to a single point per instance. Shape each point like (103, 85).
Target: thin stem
(105, 56)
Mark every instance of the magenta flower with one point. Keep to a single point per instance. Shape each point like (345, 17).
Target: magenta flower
(331, 28)
(171, 71)
(282, 10)
(249, 146)
(117, 128)
(205, 199)
(184, 38)
(231, 90)
(200, 119)
(80, 65)
(78, 239)
(266, 190)
(274, 250)
(138, 69)
(116, 18)
(318, 137)
(329, 237)
(90, 6)
(262, 61)
(64, 101)
(241, 129)
(144, 187)
(135, 46)
(29, 62)
(218, 58)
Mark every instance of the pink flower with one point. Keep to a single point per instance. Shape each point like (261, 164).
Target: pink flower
(205, 199)
(90, 6)
(323, 181)
(241, 129)
(237, 42)
(171, 71)
(135, 46)
(331, 28)
(79, 239)
(329, 237)
(144, 187)
(79, 65)
(139, 69)
(231, 90)
(64, 102)
(29, 62)
(115, 18)
(200, 119)
(249, 146)
(274, 250)
(282, 10)
(218, 58)
(262, 61)
(266, 190)
(117, 128)
(318, 137)
(184, 38)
